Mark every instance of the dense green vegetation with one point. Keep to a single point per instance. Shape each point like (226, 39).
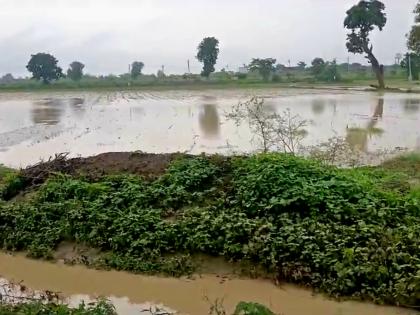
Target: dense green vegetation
(104, 308)
(353, 232)
(38, 308)
(395, 76)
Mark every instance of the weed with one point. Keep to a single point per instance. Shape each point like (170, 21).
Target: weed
(274, 131)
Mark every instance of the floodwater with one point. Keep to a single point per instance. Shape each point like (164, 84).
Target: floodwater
(35, 126)
(133, 293)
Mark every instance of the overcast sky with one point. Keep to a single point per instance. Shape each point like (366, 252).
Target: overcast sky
(107, 35)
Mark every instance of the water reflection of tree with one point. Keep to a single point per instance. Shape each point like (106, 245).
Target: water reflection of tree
(318, 106)
(209, 120)
(77, 106)
(358, 138)
(47, 111)
(411, 106)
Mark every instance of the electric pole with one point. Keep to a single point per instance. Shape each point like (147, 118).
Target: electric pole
(188, 64)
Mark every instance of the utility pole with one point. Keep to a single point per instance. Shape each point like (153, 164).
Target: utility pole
(163, 68)
(188, 64)
(410, 74)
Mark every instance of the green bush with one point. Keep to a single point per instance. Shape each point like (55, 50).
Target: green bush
(346, 232)
(244, 308)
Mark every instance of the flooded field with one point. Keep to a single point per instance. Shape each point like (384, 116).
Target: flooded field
(35, 126)
(134, 293)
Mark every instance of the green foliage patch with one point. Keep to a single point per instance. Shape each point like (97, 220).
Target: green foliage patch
(244, 308)
(346, 232)
(38, 308)
(10, 183)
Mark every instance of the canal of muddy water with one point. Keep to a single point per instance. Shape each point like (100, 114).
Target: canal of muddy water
(133, 293)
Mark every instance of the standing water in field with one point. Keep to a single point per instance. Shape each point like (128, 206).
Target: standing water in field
(35, 126)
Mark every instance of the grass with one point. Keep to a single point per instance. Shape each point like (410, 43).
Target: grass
(408, 163)
(4, 171)
(10, 182)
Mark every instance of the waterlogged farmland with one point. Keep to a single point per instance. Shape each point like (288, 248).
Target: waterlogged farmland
(35, 126)
(208, 228)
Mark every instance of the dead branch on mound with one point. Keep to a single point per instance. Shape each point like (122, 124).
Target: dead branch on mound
(38, 173)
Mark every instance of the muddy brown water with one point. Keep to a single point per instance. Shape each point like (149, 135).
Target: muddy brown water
(131, 292)
(35, 126)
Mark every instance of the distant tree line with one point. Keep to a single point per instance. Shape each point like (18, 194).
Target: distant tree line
(361, 19)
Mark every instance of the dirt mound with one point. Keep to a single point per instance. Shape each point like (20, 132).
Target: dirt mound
(138, 163)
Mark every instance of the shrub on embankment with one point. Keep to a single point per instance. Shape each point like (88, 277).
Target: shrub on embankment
(345, 232)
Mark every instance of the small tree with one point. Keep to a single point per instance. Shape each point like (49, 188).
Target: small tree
(207, 53)
(265, 67)
(318, 66)
(44, 67)
(7, 78)
(274, 131)
(361, 19)
(75, 71)
(414, 59)
(161, 75)
(302, 65)
(329, 72)
(136, 69)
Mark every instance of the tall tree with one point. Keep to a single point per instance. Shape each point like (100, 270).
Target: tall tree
(264, 66)
(136, 69)
(44, 67)
(318, 66)
(75, 71)
(362, 19)
(413, 42)
(207, 53)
